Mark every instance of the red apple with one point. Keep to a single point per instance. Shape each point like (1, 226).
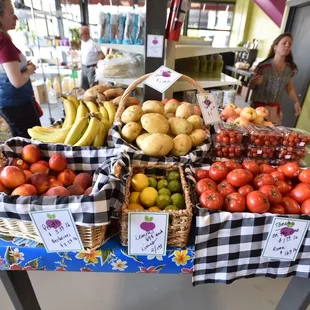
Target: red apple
(25, 190)
(262, 111)
(228, 112)
(75, 190)
(31, 153)
(89, 191)
(258, 120)
(54, 182)
(248, 113)
(40, 181)
(3, 189)
(231, 119)
(238, 111)
(21, 164)
(197, 110)
(12, 177)
(58, 162)
(240, 121)
(57, 191)
(66, 177)
(83, 179)
(40, 166)
(28, 174)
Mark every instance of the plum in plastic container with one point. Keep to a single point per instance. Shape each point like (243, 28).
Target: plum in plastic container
(227, 134)
(294, 137)
(264, 136)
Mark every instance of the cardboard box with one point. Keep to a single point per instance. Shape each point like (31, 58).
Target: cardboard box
(39, 92)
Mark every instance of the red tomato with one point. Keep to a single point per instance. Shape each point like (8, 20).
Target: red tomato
(204, 185)
(305, 207)
(250, 176)
(283, 187)
(290, 170)
(201, 174)
(232, 165)
(263, 179)
(265, 168)
(277, 209)
(278, 176)
(245, 190)
(251, 165)
(304, 176)
(291, 206)
(257, 202)
(235, 202)
(218, 171)
(280, 168)
(224, 188)
(238, 177)
(301, 192)
(272, 192)
(211, 199)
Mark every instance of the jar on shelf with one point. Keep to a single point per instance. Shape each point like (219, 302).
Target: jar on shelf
(218, 65)
(203, 64)
(210, 65)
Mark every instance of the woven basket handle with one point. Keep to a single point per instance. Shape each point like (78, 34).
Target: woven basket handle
(134, 84)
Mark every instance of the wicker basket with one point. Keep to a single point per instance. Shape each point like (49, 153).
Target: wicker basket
(179, 220)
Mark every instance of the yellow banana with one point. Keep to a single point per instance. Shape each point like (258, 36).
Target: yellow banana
(90, 133)
(103, 111)
(70, 112)
(100, 137)
(81, 112)
(92, 107)
(111, 110)
(104, 121)
(74, 100)
(45, 129)
(76, 131)
(58, 136)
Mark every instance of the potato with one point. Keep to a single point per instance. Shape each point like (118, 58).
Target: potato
(171, 107)
(182, 144)
(131, 131)
(198, 136)
(129, 101)
(196, 121)
(140, 138)
(154, 123)
(169, 115)
(132, 114)
(179, 125)
(157, 144)
(153, 106)
(185, 110)
(113, 93)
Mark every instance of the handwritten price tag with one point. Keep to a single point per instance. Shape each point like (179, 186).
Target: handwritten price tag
(155, 45)
(162, 79)
(147, 233)
(285, 238)
(57, 230)
(209, 108)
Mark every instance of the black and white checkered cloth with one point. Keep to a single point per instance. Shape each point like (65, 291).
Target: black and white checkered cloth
(94, 210)
(199, 155)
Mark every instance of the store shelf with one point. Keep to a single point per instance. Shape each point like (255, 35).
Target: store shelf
(125, 81)
(136, 49)
(54, 71)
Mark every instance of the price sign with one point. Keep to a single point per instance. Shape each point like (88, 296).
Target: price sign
(209, 108)
(155, 46)
(285, 238)
(162, 79)
(147, 233)
(57, 230)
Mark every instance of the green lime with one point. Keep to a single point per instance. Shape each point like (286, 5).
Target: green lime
(178, 200)
(171, 207)
(163, 201)
(162, 184)
(164, 191)
(175, 186)
(152, 182)
(173, 175)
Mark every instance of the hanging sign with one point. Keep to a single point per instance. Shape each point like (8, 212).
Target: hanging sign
(155, 46)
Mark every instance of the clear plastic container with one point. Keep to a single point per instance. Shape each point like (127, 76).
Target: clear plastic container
(293, 137)
(227, 134)
(228, 151)
(263, 152)
(292, 154)
(262, 135)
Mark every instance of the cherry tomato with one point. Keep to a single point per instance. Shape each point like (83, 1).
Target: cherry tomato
(290, 170)
(251, 165)
(277, 209)
(283, 187)
(245, 190)
(204, 185)
(201, 174)
(211, 199)
(224, 188)
(301, 193)
(237, 177)
(291, 206)
(304, 176)
(257, 202)
(232, 165)
(278, 176)
(235, 202)
(218, 171)
(263, 179)
(249, 176)
(265, 168)
(272, 192)
(305, 207)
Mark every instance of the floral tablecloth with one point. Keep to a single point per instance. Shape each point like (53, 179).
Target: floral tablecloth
(24, 254)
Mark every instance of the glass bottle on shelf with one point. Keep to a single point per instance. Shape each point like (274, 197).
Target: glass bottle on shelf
(203, 64)
(56, 86)
(210, 65)
(218, 66)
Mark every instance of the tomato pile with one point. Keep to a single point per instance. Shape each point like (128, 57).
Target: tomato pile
(255, 188)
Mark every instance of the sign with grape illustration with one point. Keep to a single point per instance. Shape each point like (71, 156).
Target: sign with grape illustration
(209, 108)
(155, 46)
(147, 234)
(162, 79)
(285, 238)
(57, 230)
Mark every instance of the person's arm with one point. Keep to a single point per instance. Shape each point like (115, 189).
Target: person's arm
(101, 55)
(255, 81)
(17, 78)
(290, 89)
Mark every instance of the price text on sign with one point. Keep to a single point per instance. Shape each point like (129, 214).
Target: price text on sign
(57, 230)
(147, 233)
(162, 79)
(285, 238)
(209, 108)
